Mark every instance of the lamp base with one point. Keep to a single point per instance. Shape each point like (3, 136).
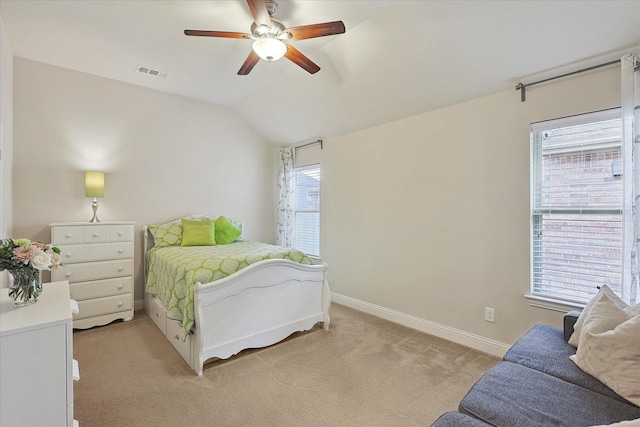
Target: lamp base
(94, 205)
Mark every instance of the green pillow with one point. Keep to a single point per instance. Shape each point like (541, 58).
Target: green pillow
(169, 234)
(198, 232)
(226, 231)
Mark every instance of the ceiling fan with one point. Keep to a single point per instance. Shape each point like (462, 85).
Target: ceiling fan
(269, 35)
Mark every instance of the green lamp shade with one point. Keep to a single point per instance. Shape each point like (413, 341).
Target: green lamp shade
(94, 184)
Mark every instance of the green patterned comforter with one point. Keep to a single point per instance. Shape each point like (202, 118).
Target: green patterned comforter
(173, 271)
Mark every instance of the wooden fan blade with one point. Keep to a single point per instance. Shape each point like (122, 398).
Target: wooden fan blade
(249, 63)
(259, 12)
(296, 56)
(316, 30)
(225, 34)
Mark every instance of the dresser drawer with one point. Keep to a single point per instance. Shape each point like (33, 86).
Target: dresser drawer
(173, 335)
(66, 235)
(107, 305)
(95, 234)
(101, 288)
(158, 314)
(106, 251)
(121, 233)
(93, 271)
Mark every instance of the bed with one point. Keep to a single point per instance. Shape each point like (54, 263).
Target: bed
(212, 308)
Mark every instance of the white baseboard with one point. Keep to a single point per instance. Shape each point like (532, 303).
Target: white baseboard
(138, 304)
(467, 339)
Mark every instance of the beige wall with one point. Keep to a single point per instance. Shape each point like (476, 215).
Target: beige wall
(429, 216)
(6, 138)
(164, 156)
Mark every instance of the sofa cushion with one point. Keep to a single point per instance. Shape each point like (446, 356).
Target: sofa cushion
(543, 348)
(458, 419)
(515, 395)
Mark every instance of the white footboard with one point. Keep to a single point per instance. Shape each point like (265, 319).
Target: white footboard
(260, 305)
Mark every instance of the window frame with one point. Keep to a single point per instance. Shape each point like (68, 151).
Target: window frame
(537, 210)
(296, 210)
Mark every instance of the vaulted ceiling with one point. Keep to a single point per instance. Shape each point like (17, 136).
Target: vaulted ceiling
(397, 58)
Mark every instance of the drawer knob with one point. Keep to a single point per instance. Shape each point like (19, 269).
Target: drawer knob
(96, 234)
(157, 315)
(68, 236)
(119, 268)
(120, 233)
(119, 286)
(176, 337)
(67, 275)
(120, 251)
(68, 254)
(120, 304)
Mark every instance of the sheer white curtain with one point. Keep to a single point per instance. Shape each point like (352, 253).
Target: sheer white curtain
(286, 198)
(630, 66)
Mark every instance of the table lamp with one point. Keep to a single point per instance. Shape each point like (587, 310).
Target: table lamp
(94, 187)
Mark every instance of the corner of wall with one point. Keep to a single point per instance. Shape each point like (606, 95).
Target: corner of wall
(6, 138)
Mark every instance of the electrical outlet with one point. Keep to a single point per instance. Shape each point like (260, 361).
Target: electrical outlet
(489, 314)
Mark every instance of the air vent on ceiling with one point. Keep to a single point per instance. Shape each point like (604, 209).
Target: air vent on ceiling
(152, 72)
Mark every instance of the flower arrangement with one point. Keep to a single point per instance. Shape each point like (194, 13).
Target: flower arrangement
(25, 260)
(21, 254)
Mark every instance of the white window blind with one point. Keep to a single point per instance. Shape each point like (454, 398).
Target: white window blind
(576, 206)
(307, 210)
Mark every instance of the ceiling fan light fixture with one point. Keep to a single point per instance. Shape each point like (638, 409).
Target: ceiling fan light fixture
(269, 48)
(262, 29)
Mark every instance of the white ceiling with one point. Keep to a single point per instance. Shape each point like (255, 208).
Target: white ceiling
(397, 58)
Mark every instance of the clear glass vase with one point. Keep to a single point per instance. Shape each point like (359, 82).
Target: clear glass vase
(25, 286)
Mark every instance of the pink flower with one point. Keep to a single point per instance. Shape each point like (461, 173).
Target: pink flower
(55, 258)
(39, 245)
(24, 254)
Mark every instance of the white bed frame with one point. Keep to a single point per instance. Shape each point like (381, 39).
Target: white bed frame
(258, 306)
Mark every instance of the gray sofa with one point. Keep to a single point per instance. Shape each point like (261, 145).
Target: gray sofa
(536, 385)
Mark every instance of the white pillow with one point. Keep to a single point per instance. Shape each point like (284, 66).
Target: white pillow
(629, 423)
(609, 348)
(574, 340)
(633, 310)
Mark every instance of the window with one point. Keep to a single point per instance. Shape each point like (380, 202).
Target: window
(576, 206)
(307, 210)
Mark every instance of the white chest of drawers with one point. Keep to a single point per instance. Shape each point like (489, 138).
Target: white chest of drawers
(36, 351)
(98, 263)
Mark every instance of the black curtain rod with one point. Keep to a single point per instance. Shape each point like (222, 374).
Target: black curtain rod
(317, 141)
(522, 87)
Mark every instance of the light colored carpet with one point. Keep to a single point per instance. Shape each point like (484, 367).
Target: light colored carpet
(364, 371)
